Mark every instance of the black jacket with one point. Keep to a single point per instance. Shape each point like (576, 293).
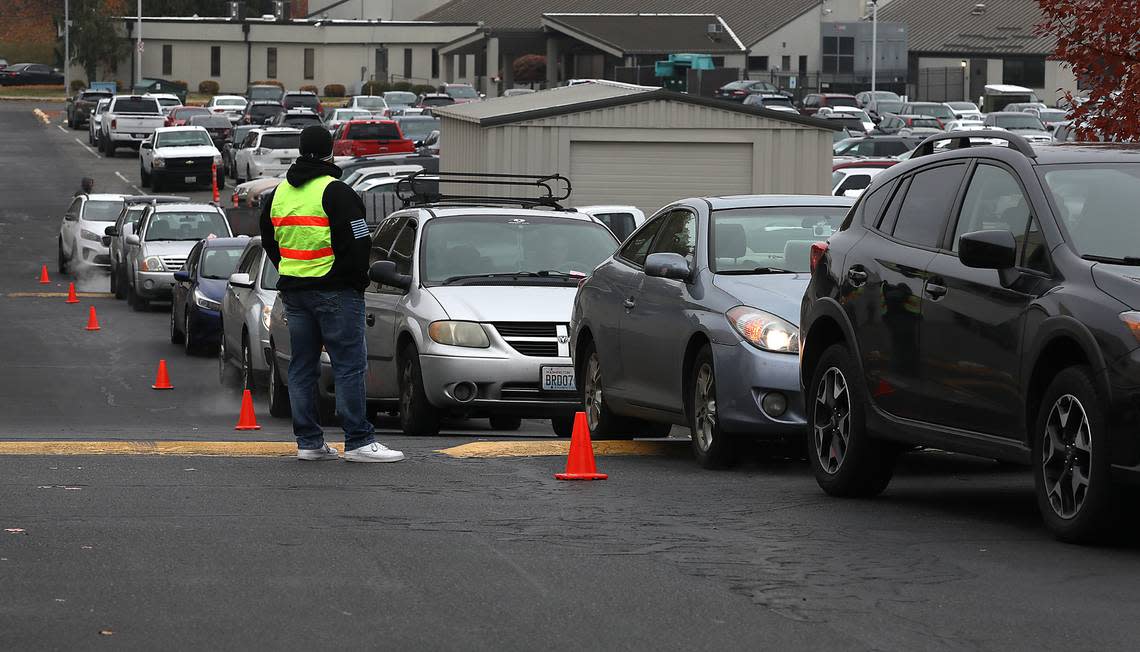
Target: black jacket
(351, 243)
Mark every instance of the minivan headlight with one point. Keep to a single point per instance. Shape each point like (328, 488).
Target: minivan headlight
(459, 333)
(764, 330)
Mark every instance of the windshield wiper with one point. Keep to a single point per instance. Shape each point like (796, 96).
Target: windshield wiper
(546, 273)
(757, 270)
(1126, 260)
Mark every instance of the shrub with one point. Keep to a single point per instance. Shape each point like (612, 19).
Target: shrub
(309, 88)
(269, 82)
(420, 89)
(334, 90)
(179, 82)
(402, 86)
(530, 68)
(78, 85)
(375, 87)
(208, 87)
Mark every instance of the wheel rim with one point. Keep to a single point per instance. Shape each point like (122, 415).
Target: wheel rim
(1066, 456)
(831, 421)
(704, 407)
(593, 391)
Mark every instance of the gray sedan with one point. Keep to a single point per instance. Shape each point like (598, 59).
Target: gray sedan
(694, 322)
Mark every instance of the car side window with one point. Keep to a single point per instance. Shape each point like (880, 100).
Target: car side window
(872, 203)
(385, 237)
(192, 260)
(248, 259)
(927, 204)
(993, 202)
(73, 210)
(404, 248)
(853, 182)
(637, 247)
(678, 235)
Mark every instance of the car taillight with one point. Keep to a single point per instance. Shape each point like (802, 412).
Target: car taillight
(739, 92)
(114, 123)
(818, 249)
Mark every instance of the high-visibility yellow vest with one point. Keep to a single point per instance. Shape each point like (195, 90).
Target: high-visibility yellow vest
(301, 228)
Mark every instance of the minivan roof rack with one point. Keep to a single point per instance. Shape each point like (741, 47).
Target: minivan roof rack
(423, 188)
(961, 139)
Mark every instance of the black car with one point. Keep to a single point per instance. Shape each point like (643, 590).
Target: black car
(738, 90)
(80, 106)
(219, 126)
(877, 146)
(297, 118)
(26, 74)
(983, 300)
(257, 112)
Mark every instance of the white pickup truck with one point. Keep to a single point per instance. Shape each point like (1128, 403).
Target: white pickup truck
(179, 155)
(129, 121)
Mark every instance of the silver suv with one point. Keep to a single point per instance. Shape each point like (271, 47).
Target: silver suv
(468, 315)
(160, 244)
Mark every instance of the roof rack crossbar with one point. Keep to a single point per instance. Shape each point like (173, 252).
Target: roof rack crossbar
(423, 188)
(961, 139)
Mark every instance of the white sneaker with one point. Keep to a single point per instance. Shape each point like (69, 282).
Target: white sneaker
(373, 453)
(323, 454)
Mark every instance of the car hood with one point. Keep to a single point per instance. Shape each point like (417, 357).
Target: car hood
(179, 248)
(214, 288)
(490, 303)
(779, 294)
(1121, 282)
(190, 151)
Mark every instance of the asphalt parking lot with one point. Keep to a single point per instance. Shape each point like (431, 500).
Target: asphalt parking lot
(141, 551)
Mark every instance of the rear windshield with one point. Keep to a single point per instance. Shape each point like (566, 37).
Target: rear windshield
(186, 226)
(747, 240)
(464, 92)
(310, 101)
(840, 101)
(887, 106)
(265, 93)
(936, 110)
(102, 211)
(351, 114)
(92, 96)
(265, 110)
(281, 141)
(220, 262)
(437, 101)
(371, 103)
(622, 224)
(372, 131)
(925, 122)
(418, 128)
(212, 121)
(169, 101)
(400, 97)
(300, 120)
(776, 101)
(229, 101)
(736, 84)
(850, 123)
(127, 105)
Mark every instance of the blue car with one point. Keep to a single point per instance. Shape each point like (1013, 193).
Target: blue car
(195, 316)
(694, 322)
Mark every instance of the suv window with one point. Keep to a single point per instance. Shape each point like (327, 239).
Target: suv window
(872, 205)
(637, 248)
(404, 247)
(927, 204)
(994, 201)
(678, 235)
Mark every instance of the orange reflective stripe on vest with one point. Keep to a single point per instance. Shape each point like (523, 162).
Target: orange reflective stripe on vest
(301, 228)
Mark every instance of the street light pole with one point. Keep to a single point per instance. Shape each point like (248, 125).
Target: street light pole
(874, 42)
(138, 46)
(66, 47)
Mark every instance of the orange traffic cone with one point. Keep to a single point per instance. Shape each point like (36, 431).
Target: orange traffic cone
(162, 380)
(44, 280)
(92, 320)
(214, 177)
(247, 420)
(71, 297)
(580, 463)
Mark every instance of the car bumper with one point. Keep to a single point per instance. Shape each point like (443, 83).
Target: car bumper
(503, 385)
(124, 139)
(154, 285)
(182, 176)
(745, 376)
(269, 169)
(205, 325)
(94, 254)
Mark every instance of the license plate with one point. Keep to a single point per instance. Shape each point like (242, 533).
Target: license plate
(286, 160)
(139, 135)
(558, 379)
(191, 179)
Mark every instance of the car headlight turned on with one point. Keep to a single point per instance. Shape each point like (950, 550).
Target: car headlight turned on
(153, 264)
(266, 315)
(459, 333)
(88, 235)
(158, 163)
(1131, 319)
(764, 330)
(204, 302)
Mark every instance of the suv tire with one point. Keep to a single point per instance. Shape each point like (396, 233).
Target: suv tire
(1069, 441)
(120, 288)
(144, 178)
(845, 459)
(175, 334)
(418, 417)
(61, 260)
(712, 447)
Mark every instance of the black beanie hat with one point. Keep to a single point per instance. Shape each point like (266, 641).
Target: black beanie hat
(316, 143)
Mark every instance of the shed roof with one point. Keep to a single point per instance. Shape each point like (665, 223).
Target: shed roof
(622, 34)
(751, 20)
(587, 97)
(970, 26)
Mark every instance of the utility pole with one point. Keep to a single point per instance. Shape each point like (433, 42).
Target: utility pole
(874, 43)
(138, 46)
(66, 47)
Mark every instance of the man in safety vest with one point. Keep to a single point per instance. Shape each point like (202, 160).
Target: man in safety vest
(313, 229)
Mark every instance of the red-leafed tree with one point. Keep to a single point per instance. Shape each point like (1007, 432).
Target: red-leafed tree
(1100, 39)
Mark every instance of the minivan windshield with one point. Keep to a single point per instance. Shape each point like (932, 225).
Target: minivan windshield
(186, 225)
(768, 240)
(488, 248)
(1097, 204)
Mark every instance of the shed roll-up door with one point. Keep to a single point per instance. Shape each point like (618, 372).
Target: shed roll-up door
(650, 175)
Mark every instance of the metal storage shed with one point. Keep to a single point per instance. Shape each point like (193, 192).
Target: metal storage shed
(624, 144)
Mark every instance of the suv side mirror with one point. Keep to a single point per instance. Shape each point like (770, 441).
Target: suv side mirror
(241, 280)
(133, 240)
(988, 250)
(667, 265)
(384, 272)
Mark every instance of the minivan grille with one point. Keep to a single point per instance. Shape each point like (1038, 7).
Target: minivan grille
(536, 349)
(526, 329)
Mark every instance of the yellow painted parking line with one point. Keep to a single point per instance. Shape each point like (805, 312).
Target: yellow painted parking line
(151, 447)
(59, 295)
(560, 448)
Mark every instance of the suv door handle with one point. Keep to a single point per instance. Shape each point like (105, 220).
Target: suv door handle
(629, 303)
(370, 319)
(856, 276)
(935, 291)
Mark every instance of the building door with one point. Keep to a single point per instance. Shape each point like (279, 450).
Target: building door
(977, 79)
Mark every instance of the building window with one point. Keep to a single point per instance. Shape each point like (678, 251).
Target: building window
(839, 54)
(1028, 72)
(310, 63)
(381, 64)
(167, 60)
(215, 61)
(407, 63)
(803, 64)
(463, 66)
(785, 63)
(434, 63)
(758, 63)
(271, 63)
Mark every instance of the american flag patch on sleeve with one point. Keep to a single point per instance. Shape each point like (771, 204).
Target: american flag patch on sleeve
(359, 229)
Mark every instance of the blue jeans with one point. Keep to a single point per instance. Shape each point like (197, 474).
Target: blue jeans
(334, 319)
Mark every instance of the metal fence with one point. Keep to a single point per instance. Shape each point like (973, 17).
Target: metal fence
(941, 84)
